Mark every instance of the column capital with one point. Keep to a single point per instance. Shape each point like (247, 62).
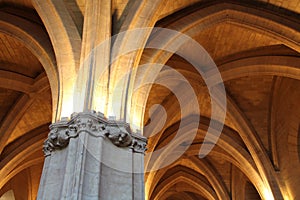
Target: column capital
(95, 124)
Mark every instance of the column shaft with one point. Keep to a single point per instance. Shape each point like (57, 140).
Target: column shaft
(90, 157)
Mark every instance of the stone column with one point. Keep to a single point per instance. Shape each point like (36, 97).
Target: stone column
(91, 157)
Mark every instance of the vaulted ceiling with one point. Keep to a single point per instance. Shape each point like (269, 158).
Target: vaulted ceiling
(250, 55)
(26, 107)
(256, 47)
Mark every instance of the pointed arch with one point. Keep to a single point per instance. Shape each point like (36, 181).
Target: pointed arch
(282, 28)
(182, 174)
(34, 38)
(66, 42)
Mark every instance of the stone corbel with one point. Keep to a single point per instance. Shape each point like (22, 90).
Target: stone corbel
(96, 125)
(138, 144)
(118, 134)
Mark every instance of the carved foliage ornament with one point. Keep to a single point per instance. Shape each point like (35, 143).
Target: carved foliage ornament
(96, 125)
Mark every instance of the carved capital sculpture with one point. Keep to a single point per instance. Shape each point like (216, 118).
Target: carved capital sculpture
(96, 125)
